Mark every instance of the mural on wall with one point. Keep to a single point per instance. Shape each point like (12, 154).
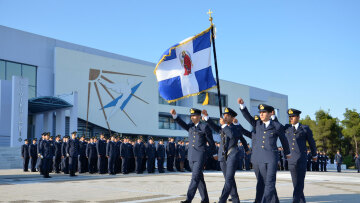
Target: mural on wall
(124, 91)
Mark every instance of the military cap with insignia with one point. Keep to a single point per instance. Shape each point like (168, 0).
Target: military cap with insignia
(265, 108)
(74, 132)
(26, 140)
(195, 112)
(229, 111)
(294, 112)
(151, 138)
(35, 139)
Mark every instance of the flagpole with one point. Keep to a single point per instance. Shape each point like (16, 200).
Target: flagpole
(215, 61)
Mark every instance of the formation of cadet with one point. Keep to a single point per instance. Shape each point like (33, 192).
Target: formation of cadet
(199, 152)
(70, 155)
(317, 165)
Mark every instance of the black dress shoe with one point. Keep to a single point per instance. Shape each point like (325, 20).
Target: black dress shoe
(47, 177)
(230, 200)
(185, 201)
(204, 202)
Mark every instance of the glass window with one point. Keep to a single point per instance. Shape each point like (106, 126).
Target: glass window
(2, 70)
(9, 69)
(29, 72)
(213, 99)
(32, 91)
(12, 69)
(166, 122)
(162, 121)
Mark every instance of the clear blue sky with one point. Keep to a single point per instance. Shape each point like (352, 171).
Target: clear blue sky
(308, 50)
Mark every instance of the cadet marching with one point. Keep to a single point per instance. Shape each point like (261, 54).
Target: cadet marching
(113, 155)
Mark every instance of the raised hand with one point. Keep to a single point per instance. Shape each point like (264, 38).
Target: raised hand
(240, 101)
(204, 112)
(235, 121)
(222, 122)
(173, 112)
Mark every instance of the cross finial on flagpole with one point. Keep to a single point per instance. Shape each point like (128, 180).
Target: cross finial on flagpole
(210, 18)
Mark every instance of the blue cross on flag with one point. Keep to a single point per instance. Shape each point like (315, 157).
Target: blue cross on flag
(184, 69)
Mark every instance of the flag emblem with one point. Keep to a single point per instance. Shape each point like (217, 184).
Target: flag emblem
(184, 69)
(186, 62)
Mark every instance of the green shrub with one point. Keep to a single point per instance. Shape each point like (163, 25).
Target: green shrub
(349, 161)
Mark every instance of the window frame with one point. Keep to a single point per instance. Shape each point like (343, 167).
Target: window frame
(21, 67)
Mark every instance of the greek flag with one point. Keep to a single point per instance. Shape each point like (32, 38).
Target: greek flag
(184, 69)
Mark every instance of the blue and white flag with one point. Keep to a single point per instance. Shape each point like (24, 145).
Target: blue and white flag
(184, 69)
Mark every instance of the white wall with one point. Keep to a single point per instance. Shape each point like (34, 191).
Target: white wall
(73, 67)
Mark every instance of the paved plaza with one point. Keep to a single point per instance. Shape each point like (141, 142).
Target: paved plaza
(17, 186)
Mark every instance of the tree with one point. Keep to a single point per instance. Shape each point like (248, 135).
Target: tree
(326, 130)
(327, 133)
(307, 121)
(351, 124)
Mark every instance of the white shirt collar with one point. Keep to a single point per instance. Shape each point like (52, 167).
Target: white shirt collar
(197, 124)
(267, 123)
(296, 126)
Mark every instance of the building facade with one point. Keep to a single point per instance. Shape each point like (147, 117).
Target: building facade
(72, 87)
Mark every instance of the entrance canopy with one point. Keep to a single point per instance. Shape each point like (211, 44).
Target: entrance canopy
(43, 104)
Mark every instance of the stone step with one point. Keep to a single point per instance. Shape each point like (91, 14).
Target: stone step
(10, 158)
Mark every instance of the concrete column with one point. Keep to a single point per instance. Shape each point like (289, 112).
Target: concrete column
(60, 122)
(38, 120)
(48, 122)
(19, 111)
(74, 113)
